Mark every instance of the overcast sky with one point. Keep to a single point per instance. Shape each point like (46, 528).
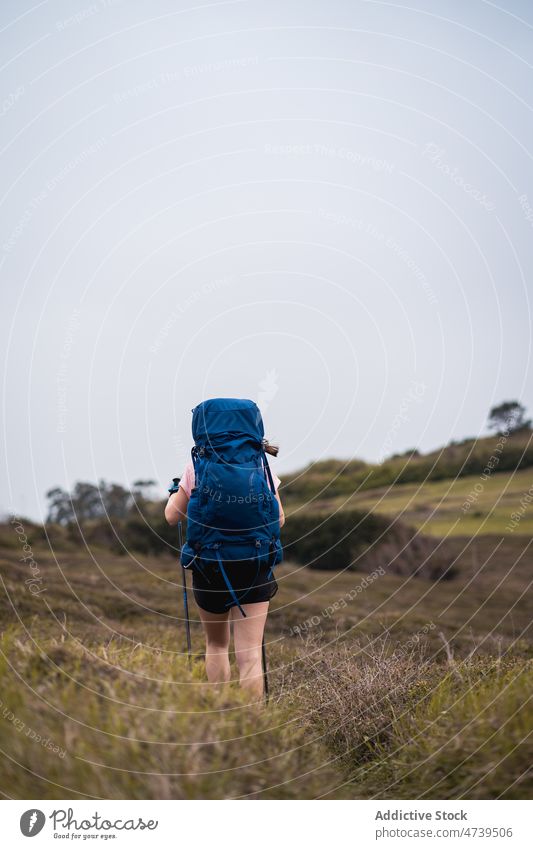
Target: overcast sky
(324, 206)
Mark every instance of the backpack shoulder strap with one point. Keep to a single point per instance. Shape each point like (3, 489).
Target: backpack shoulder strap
(268, 473)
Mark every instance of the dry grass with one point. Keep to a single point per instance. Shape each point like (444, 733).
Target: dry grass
(131, 721)
(403, 726)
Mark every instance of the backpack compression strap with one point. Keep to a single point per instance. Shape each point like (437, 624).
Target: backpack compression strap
(228, 583)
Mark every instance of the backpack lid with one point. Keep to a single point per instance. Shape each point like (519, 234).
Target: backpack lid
(217, 417)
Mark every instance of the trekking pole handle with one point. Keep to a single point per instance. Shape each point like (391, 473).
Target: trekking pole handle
(174, 486)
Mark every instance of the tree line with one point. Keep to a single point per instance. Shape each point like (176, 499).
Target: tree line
(94, 501)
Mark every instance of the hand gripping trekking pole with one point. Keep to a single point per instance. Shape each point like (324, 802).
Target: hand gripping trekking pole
(185, 601)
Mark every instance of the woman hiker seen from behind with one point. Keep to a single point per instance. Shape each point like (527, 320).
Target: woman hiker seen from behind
(230, 499)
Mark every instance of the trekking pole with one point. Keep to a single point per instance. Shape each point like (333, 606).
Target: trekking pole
(185, 601)
(265, 669)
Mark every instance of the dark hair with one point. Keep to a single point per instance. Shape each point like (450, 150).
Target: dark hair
(270, 449)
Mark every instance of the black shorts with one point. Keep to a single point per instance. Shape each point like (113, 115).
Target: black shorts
(251, 582)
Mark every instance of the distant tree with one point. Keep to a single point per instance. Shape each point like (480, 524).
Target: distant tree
(116, 499)
(411, 452)
(59, 506)
(141, 494)
(142, 489)
(87, 501)
(510, 415)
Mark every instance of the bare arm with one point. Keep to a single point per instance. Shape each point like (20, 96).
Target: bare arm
(176, 507)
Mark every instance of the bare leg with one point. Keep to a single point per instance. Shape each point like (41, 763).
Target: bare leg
(248, 637)
(217, 636)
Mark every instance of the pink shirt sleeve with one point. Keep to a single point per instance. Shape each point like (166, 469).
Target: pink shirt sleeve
(187, 479)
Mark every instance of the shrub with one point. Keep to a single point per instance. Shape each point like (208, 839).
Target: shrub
(353, 539)
(331, 541)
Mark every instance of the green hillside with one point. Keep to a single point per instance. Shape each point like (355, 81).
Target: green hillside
(440, 498)
(469, 458)
(438, 507)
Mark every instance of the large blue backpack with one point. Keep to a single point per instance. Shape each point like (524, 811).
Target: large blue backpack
(233, 512)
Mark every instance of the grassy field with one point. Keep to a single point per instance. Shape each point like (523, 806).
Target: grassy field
(436, 507)
(382, 687)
